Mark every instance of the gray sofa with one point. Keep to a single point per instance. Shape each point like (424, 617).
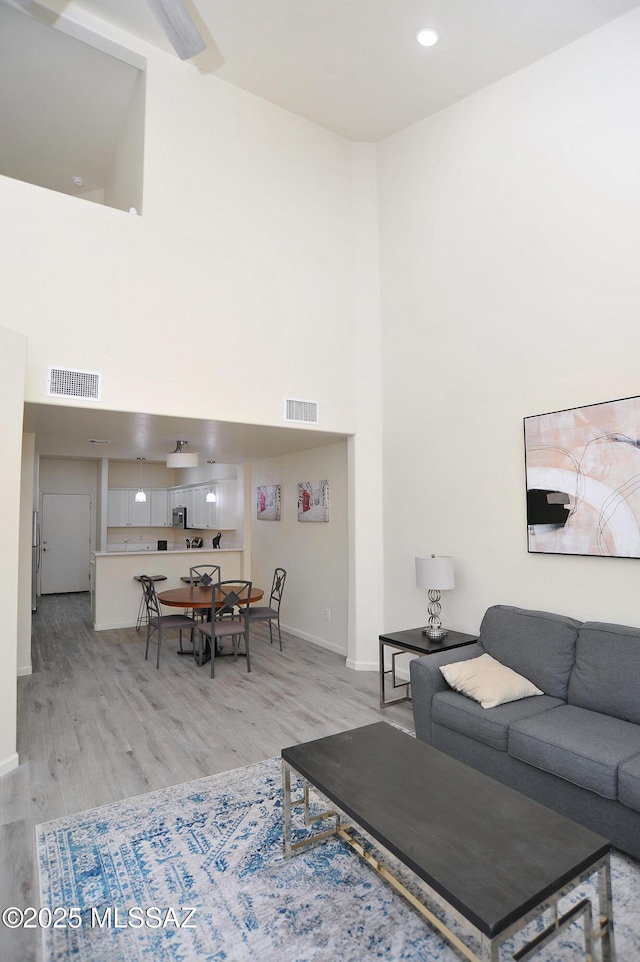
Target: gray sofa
(576, 747)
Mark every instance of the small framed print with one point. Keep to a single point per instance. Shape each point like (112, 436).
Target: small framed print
(268, 502)
(313, 500)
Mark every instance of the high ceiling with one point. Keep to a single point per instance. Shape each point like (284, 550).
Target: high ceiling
(354, 66)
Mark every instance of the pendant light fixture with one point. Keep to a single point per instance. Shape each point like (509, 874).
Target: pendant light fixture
(180, 458)
(211, 495)
(140, 495)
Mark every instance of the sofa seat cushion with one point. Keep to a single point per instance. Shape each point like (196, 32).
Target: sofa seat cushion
(629, 783)
(536, 644)
(487, 725)
(605, 675)
(581, 746)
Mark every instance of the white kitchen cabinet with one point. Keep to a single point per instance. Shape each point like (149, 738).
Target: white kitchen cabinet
(159, 500)
(117, 507)
(177, 497)
(123, 511)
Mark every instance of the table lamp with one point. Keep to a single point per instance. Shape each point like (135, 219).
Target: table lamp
(436, 575)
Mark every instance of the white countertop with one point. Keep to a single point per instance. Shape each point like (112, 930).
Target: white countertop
(154, 551)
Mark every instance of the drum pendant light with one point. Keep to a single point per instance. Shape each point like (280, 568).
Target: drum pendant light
(180, 458)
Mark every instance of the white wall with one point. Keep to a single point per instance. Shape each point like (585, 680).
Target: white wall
(28, 504)
(232, 291)
(124, 187)
(510, 231)
(314, 554)
(13, 350)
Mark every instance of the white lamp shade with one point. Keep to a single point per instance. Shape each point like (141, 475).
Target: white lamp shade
(435, 572)
(181, 459)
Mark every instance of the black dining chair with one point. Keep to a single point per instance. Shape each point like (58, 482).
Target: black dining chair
(156, 621)
(142, 610)
(204, 576)
(271, 612)
(228, 619)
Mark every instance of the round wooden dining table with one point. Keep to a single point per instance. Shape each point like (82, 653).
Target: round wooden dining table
(193, 596)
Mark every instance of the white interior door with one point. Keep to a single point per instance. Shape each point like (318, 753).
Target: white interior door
(66, 543)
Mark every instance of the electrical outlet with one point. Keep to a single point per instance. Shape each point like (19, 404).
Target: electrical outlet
(327, 614)
(141, 537)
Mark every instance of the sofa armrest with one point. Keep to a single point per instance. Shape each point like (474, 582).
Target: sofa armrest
(427, 679)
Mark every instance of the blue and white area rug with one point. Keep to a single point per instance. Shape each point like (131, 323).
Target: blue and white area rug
(195, 873)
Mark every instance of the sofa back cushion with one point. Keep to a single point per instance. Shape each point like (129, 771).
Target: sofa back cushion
(536, 644)
(606, 672)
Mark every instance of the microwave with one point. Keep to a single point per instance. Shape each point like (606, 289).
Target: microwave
(179, 517)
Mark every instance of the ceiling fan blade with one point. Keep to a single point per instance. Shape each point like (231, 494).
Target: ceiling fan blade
(176, 22)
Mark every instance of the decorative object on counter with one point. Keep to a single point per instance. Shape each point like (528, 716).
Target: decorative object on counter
(162, 545)
(140, 495)
(435, 574)
(313, 500)
(211, 495)
(216, 541)
(182, 459)
(196, 542)
(268, 502)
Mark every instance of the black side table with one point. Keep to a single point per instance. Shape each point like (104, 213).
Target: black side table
(418, 644)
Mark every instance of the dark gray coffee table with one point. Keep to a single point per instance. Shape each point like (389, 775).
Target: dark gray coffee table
(493, 856)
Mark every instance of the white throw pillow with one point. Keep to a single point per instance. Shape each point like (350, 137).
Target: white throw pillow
(488, 681)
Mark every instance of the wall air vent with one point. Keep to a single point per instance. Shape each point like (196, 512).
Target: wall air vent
(65, 382)
(301, 411)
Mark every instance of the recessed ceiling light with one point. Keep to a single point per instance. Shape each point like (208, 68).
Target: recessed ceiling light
(427, 37)
(78, 181)
(98, 441)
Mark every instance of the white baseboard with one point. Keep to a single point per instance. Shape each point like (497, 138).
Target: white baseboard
(362, 665)
(320, 642)
(9, 764)
(26, 670)
(113, 624)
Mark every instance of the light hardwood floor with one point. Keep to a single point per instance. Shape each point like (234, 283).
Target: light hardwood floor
(97, 723)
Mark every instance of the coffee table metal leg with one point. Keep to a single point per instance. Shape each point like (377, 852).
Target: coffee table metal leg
(286, 809)
(605, 900)
(490, 950)
(289, 846)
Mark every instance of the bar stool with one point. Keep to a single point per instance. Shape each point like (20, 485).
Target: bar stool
(142, 610)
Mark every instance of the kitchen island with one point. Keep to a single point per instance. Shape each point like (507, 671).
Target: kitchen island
(115, 594)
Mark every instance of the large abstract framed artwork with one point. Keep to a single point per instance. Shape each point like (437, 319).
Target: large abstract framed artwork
(583, 480)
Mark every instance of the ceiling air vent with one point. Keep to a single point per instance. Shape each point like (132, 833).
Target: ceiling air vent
(301, 411)
(64, 382)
